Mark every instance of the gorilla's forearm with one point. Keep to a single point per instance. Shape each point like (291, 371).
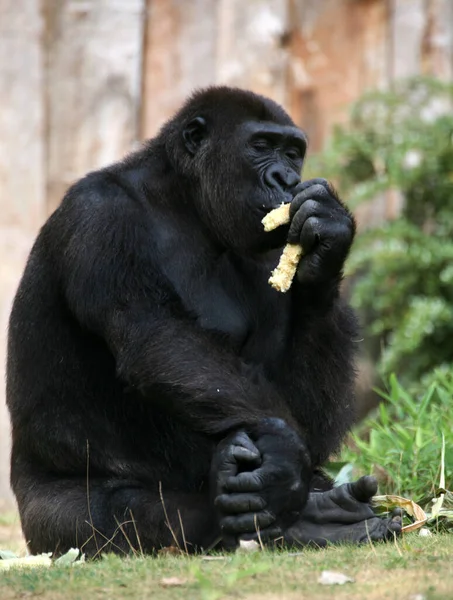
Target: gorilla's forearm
(196, 380)
(319, 376)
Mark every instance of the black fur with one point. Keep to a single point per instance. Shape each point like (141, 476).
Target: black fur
(144, 332)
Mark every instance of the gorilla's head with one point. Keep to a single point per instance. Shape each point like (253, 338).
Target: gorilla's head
(240, 155)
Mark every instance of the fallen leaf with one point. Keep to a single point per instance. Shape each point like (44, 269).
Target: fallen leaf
(425, 532)
(71, 558)
(26, 562)
(248, 546)
(333, 578)
(7, 554)
(414, 510)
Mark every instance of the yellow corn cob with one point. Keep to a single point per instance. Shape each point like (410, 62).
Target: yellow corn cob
(282, 276)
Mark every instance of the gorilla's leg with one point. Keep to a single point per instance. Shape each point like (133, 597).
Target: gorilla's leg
(112, 515)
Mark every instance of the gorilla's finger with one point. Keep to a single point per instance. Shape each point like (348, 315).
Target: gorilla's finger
(247, 523)
(315, 192)
(308, 236)
(303, 185)
(229, 542)
(245, 455)
(364, 488)
(310, 208)
(234, 449)
(249, 481)
(234, 504)
(241, 438)
(395, 525)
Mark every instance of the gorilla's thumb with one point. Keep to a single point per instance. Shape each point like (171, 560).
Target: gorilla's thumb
(364, 488)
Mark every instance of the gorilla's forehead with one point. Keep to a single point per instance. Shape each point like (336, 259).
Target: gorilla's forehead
(270, 128)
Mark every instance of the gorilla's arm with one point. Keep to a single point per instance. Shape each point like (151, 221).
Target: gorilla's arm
(114, 287)
(318, 374)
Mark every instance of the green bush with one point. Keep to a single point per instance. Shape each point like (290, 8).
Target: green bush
(402, 140)
(402, 444)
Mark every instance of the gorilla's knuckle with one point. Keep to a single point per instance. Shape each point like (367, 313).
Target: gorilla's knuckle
(296, 487)
(313, 224)
(308, 207)
(344, 231)
(322, 182)
(273, 425)
(221, 501)
(265, 518)
(319, 190)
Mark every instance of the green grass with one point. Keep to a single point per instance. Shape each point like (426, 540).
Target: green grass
(412, 566)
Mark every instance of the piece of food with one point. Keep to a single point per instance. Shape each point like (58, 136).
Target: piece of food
(282, 276)
(278, 216)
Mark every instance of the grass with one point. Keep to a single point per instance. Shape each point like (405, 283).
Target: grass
(412, 566)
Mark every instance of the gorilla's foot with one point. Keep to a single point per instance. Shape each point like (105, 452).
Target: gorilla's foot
(340, 515)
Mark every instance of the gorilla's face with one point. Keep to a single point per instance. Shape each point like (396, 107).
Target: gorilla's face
(244, 173)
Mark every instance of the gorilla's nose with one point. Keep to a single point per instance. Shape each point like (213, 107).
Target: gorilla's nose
(281, 178)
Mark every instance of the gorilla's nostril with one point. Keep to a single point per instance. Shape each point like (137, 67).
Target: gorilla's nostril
(280, 177)
(273, 177)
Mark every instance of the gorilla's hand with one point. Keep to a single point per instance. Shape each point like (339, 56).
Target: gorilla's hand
(324, 228)
(260, 482)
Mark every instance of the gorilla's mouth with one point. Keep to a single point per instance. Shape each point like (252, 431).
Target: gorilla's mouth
(274, 203)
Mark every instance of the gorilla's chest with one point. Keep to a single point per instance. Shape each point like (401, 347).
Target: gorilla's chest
(218, 311)
(240, 309)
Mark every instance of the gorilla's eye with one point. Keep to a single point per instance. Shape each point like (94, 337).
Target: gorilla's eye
(293, 154)
(261, 145)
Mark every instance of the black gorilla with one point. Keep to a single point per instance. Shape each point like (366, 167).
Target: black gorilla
(160, 390)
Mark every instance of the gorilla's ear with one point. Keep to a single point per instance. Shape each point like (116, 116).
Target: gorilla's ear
(194, 133)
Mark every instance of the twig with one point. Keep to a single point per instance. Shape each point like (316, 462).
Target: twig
(136, 533)
(257, 529)
(120, 527)
(182, 533)
(167, 520)
(88, 496)
(108, 541)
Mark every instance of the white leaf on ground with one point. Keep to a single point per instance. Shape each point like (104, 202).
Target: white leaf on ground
(70, 558)
(26, 562)
(333, 578)
(425, 532)
(6, 554)
(248, 546)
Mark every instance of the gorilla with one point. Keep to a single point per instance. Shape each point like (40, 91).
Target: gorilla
(161, 393)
